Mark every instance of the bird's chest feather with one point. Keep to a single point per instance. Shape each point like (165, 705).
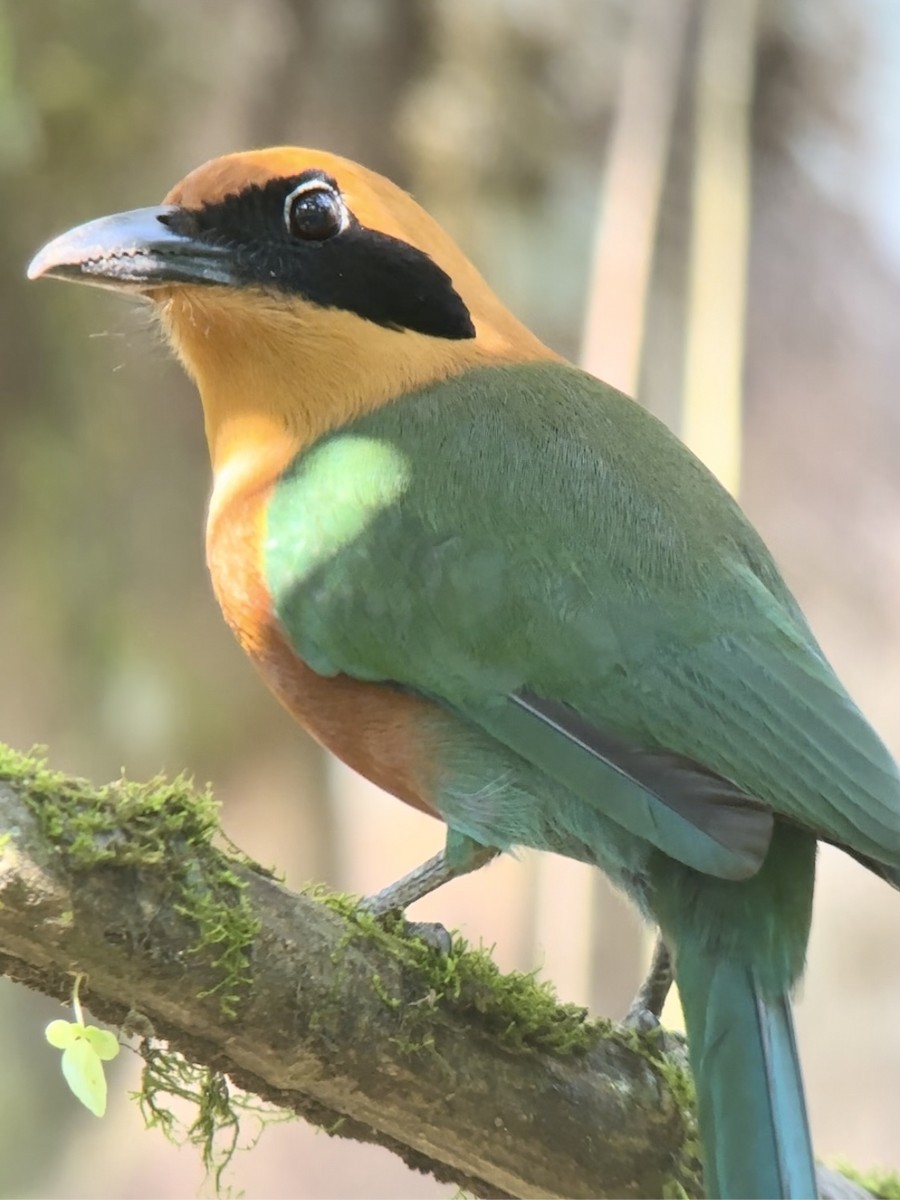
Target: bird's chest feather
(375, 729)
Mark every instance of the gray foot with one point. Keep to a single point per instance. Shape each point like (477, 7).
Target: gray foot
(460, 856)
(432, 933)
(647, 1005)
(412, 887)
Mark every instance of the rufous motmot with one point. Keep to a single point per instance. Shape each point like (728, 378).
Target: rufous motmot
(504, 592)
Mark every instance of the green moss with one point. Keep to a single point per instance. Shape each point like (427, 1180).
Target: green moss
(883, 1184)
(220, 1109)
(519, 1009)
(163, 824)
(382, 993)
(687, 1174)
(123, 822)
(522, 1010)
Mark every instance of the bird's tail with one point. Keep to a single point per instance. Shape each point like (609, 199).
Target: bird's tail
(749, 1091)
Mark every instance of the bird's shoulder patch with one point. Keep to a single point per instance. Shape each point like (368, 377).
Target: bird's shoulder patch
(374, 728)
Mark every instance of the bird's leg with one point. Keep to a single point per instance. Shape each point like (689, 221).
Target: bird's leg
(460, 856)
(398, 896)
(647, 1005)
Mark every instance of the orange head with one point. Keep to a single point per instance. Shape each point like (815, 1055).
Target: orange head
(299, 289)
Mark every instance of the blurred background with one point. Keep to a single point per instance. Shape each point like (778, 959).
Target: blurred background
(699, 199)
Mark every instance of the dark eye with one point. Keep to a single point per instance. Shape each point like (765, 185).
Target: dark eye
(314, 213)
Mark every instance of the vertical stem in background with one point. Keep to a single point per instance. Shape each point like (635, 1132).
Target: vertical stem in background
(584, 932)
(712, 397)
(596, 921)
(631, 190)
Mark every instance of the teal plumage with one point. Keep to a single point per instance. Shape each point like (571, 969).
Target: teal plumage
(528, 532)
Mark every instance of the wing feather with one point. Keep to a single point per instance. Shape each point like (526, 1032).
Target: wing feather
(533, 550)
(680, 806)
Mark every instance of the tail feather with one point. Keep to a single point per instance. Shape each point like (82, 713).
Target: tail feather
(749, 1090)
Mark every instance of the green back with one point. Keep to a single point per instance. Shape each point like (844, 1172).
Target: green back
(531, 528)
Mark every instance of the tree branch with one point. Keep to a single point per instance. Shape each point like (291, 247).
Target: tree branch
(477, 1078)
(464, 1073)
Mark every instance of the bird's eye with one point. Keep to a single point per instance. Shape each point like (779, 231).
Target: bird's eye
(314, 213)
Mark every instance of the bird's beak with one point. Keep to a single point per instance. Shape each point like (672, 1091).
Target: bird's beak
(134, 251)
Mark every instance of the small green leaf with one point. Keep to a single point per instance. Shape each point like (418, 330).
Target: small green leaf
(60, 1033)
(104, 1043)
(83, 1072)
(84, 1049)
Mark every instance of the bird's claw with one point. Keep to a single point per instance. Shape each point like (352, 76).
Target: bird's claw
(641, 1019)
(432, 933)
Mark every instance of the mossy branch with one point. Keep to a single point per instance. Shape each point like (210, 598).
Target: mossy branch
(477, 1078)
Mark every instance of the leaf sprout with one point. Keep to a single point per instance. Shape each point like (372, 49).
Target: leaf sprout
(85, 1048)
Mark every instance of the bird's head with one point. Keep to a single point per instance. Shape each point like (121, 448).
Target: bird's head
(298, 288)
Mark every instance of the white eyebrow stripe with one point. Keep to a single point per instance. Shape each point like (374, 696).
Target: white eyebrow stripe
(316, 184)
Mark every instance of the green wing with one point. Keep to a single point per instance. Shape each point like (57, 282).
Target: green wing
(539, 554)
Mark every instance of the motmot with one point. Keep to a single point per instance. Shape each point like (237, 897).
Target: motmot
(507, 594)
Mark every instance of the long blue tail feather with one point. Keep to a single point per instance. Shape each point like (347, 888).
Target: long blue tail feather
(749, 1090)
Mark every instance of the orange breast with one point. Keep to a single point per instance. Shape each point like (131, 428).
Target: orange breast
(371, 727)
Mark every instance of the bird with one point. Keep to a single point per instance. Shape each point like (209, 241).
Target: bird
(507, 594)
